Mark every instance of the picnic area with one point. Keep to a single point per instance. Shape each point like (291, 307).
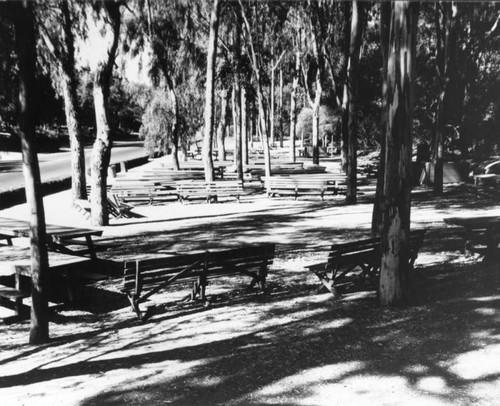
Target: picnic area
(249, 203)
(293, 344)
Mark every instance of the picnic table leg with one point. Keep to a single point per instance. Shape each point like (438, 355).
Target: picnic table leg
(491, 241)
(91, 247)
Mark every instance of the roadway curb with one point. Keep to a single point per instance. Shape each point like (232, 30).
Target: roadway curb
(17, 196)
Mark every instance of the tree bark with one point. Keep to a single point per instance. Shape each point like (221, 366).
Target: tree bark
(244, 126)
(222, 128)
(393, 288)
(236, 102)
(25, 45)
(72, 109)
(172, 95)
(293, 106)
(280, 109)
(101, 151)
(445, 58)
(352, 96)
(378, 206)
(209, 92)
(260, 96)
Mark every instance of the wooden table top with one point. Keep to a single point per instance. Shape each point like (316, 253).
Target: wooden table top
(18, 259)
(474, 221)
(21, 228)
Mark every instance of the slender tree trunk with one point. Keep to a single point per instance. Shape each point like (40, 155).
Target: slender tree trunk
(260, 96)
(352, 90)
(25, 45)
(172, 96)
(293, 108)
(315, 131)
(244, 126)
(78, 180)
(209, 92)
(101, 151)
(72, 110)
(344, 139)
(378, 209)
(222, 128)
(271, 106)
(397, 183)
(280, 109)
(236, 101)
(446, 23)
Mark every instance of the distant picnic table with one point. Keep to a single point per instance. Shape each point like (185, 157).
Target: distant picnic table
(58, 237)
(478, 229)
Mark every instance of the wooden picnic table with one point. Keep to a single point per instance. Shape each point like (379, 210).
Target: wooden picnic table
(58, 237)
(64, 272)
(487, 227)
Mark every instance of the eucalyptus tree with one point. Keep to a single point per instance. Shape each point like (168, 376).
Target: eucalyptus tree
(107, 17)
(378, 209)
(208, 114)
(168, 33)
(60, 23)
(21, 16)
(446, 65)
(400, 68)
(356, 33)
(254, 44)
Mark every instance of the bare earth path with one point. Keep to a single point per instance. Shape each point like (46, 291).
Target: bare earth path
(293, 346)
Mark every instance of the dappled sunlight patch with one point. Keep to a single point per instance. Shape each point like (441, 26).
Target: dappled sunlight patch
(433, 384)
(478, 364)
(307, 380)
(486, 311)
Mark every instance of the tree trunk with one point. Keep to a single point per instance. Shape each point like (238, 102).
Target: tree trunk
(222, 128)
(236, 101)
(378, 208)
(344, 139)
(72, 110)
(260, 96)
(271, 106)
(352, 96)
(280, 109)
(315, 131)
(209, 92)
(78, 180)
(445, 58)
(25, 45)
(397, 181)
(244, 126)
(172, 96)
(293, 104)
(101, 151)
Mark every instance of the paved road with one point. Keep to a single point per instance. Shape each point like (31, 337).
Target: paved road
(57, 165)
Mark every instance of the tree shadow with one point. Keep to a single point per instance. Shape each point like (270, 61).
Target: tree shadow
(299, 333)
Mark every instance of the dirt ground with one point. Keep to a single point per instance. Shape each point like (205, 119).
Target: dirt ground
(294, 345)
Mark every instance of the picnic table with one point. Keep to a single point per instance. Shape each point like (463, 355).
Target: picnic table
(484, 229)
(65, 271)
(58, 237)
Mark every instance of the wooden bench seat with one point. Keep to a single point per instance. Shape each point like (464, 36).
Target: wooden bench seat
(356, 262)
(209, 192)
(303, 185)
(146, 277)
(145, 192)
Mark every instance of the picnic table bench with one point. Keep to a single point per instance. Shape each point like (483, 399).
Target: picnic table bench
(209, 191)
(356, 262)
(141, 192)
(59, 238)
(478, 230)
(302, 185)
(66, 272)
(143, 278)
